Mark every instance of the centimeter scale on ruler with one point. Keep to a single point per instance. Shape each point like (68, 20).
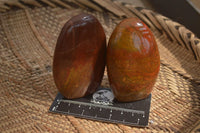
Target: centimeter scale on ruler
(102, 106)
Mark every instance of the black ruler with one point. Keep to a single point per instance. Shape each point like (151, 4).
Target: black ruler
(102, 106)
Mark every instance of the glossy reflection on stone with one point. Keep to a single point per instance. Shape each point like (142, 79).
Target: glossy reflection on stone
(133, 60)
(79, 57)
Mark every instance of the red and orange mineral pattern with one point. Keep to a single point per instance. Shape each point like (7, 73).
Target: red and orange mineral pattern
(133, 60)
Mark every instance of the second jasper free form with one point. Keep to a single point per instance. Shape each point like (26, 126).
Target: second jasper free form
(133, 60)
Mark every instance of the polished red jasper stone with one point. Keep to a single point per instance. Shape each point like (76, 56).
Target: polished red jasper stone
(79, 57)
(133, 60)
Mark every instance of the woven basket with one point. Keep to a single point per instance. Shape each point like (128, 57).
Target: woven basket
(28, 34)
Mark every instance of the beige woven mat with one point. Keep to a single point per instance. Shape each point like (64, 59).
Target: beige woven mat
(27, 41)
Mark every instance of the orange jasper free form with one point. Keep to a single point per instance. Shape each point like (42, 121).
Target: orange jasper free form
(133, 60)
(79, 57)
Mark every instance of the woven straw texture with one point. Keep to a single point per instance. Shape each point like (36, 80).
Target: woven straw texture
(28, 34)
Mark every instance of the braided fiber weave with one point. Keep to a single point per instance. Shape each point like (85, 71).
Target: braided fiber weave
(27, 40)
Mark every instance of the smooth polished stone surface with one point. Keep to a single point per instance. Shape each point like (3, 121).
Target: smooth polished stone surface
(79, 57)
(133, 60)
